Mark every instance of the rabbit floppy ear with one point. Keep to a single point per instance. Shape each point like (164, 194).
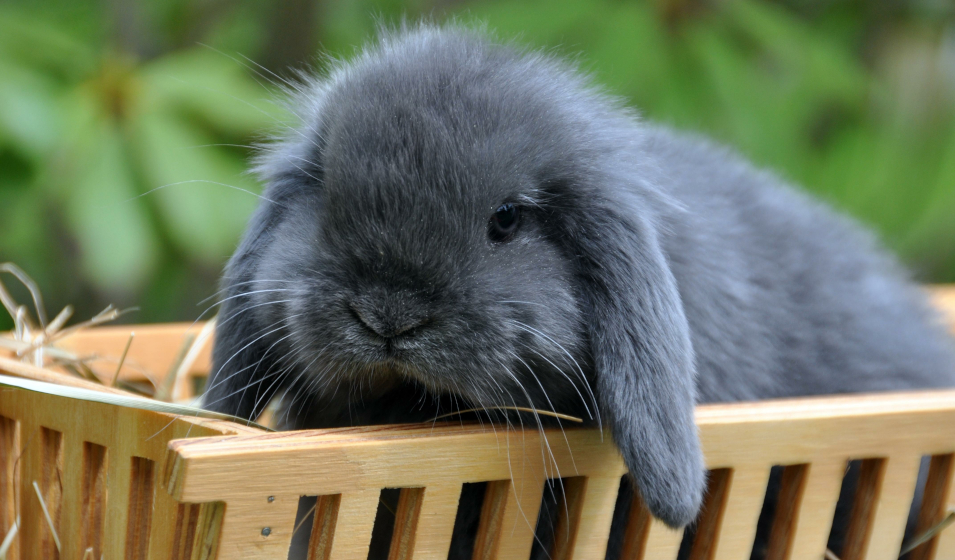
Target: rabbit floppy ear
(643, 358)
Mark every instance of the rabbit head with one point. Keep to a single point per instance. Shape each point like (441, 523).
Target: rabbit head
(477, 221)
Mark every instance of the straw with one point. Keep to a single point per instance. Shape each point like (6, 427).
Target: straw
(46, 513)
(122, 359)
(117, 399)
(517, 408)
(8, 540)
(930, 533)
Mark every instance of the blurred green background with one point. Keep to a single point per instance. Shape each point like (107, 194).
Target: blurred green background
(124, 124)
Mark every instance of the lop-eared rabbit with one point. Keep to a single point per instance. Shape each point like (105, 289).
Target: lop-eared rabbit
(457, 223)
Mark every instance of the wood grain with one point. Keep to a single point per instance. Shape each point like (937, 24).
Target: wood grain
(81, 455)
(737, 530)
(140, 484)
(436, 522)
(892, 508)
(356, 518)
(663, 543)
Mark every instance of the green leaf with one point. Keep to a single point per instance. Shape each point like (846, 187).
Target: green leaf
(28, 109)
(213, 88)
(42, 45)
(202, 193)
(117, 247)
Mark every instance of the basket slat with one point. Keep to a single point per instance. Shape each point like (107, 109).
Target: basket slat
(436, 522)
(816, 437)
(225, 482)
(356, 518)
(245, 521)
(810, 511)
(747, 488)
(945, 542)
(663, 543)
(56, 435)
(508, 530)
(589, 540)
(892, 501)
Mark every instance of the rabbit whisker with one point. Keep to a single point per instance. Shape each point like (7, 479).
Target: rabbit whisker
(235, 284)
(580, 371)
(217, 382)
(205, 182)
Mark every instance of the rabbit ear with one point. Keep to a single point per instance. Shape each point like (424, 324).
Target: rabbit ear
(643, 359)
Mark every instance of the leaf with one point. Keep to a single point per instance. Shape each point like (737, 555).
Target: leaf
(196, 188)
(28, 110)
(43, 46)
(116, 245)
(213, 88)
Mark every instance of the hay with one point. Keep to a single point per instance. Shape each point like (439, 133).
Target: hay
(120, 399)
(8, 540)
(46, 513)
(558, 415)
(34, 338)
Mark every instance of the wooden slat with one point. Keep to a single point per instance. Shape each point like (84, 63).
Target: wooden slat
(406, 523)
(29, 468)
(820, 432)
(711, 515)
(118, 488)
(811, 510)
(356, 519)
(768, 432)
(142, 489)
(663, 543)
(72, 516)
(9, 455)
(945, 548)
(50, 481)
(93, 497)
(259, 528)
(934, 502)
(591, 502)
(892, 509)
(737, 532)
(208, 535)
(150, 355)
(436, 522)
(323, 527)
(509, 517)
(41, 461)
(123, 433)
(637, 529)
(864, 504)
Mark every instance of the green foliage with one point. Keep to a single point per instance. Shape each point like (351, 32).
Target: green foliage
(786, 91)
(123, 142)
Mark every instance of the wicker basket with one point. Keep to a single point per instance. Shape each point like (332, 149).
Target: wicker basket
(135, 484)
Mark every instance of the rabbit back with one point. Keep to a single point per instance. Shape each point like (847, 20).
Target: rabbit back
(784, 296)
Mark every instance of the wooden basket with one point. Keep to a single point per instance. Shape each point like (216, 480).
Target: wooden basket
(135, 484)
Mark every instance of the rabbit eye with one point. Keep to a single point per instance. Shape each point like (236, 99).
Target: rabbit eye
(504, 222)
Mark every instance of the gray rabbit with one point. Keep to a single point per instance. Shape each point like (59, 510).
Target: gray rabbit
(457, 223)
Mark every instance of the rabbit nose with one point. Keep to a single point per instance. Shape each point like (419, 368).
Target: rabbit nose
(387, 321)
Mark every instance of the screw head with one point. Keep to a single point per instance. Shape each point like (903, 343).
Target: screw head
(271, 499)
(266, 531)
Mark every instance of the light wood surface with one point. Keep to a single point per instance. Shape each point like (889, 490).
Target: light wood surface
(138, 484)
(88, 459)
(817, 437)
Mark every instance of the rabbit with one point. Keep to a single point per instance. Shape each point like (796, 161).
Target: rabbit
(456, 222)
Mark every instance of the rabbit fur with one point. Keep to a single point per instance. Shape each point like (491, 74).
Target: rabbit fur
(650, 270)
